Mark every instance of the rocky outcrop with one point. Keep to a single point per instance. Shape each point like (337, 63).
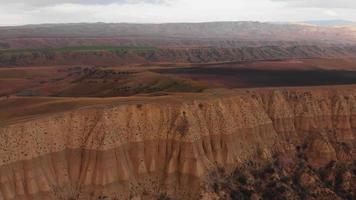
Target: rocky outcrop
(173, 145)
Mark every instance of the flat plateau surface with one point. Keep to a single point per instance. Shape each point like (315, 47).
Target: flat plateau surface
(19, 109)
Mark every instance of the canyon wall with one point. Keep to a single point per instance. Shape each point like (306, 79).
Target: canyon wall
(173, 144)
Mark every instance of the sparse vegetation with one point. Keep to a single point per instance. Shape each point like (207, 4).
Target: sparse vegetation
(273, 181)
(163, 196)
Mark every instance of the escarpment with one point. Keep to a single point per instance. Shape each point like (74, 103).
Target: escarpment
(173, 145)
(137, 55)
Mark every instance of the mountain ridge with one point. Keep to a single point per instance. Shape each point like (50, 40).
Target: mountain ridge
(212, 31)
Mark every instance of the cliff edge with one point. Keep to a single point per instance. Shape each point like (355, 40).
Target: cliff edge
(123, 148)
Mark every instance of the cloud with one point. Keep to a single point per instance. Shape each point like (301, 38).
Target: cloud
(16, 12)
(39, 3)
(331, 13)
(351, 4)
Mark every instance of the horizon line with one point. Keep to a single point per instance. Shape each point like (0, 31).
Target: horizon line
(186, 22)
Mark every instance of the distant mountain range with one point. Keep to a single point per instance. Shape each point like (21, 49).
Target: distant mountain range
(218, 34)
(123, 43)
(337, 22)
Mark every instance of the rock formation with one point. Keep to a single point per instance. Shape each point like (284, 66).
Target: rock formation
(173, 145)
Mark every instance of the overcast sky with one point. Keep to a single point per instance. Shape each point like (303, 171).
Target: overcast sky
(16, 12)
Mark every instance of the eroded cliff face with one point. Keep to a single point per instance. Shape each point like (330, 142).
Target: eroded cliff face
(128, 150)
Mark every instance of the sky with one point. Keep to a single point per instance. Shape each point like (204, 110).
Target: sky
(19, 12)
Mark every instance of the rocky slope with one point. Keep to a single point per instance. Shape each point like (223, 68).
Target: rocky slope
(174, 145)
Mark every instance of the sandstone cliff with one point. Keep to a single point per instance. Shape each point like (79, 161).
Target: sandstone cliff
(172, 144)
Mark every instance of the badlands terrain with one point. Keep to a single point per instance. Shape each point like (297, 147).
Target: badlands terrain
(223, 110)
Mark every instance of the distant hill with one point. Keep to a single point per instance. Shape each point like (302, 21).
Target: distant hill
(226, 34)
(338, 22)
